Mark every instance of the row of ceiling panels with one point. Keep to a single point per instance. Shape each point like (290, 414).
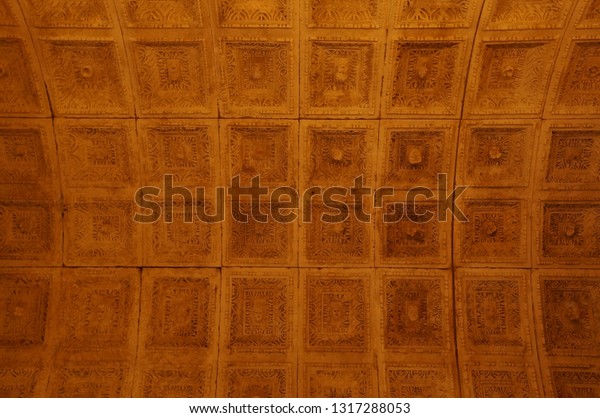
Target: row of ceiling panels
(283, 333)
(326, 58)
(519, 216)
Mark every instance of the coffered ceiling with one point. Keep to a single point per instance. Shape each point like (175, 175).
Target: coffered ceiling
(101, 97)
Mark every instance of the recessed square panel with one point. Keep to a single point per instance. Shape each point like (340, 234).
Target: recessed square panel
(249, 380)
(345, 13)
(162, 13)
(497, 380)
(68, 13)
(266, 13)
(420, 381)
(435, 13)
(339, 381)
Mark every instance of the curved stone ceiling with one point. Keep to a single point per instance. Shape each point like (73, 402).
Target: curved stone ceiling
(101, 97)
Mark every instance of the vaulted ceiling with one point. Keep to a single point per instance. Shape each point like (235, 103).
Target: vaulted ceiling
(101, 97)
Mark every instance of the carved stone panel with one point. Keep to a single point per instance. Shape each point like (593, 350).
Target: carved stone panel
(496, 154)
(497, 380)
(173, 77)
(567, 308)
(19, 382)
(336, 311)
(578, 88)
(497, 232)
(590, 17)
(257, 242)
(175, 382)
(424, 77)
(420, 380)
(493, 312)
(340, 77)
(568, 233)
(263, 148)
(85, 77)
(345, 13)
(98, 153)
(7, 14)
(340, 243)
(101, 232)
(179, 308)
(341, 380)
(538, 14)
(162, 13)
(259, 311)
(30, 233)
(335, 153)
(435, 13)
(90, 380)
(99, 310)
(249, 380)
(571, 158)
(183, 243)
(25, 298)
(259, 76)
(413, 154)
(510, 77)
(68, 13)
(412, 235)
(185, 149)
(575, 379)
(416, 311)
(28, 163)
(266, 13)
(21, 91)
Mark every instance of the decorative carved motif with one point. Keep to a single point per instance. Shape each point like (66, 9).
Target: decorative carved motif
(569, 313)
(17, 79)
(502, 381)
(183, 243)
(182, 312)
(24, 299)
(260, 317)
(98, 308)
(514, 14)
(570, 233)
(336, 316)
(243, 13)
(339, 381)
(185, 149)
(512, 77)
(18, 382)
(175, 383)
(69, 13)
(258, 381)
(264, 150)
(85, 77)
(497, 155)
(420, 381)
(424, 77)
(172, 77)
(259, 76)
(579, 88)
(415, 311)
(591, 15)
(340, 77)
(345, 13)
(573, 159)
(340, 243)
(26, 159)
(335, 154)
(97, 154)
(417, 238)
(101, 232)
(30, 233)
(89, 381)
(493, 313)
(575, 383)
(162, 13)
(496, 232)
(435, 13)
(255, 242)
(415, 156)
